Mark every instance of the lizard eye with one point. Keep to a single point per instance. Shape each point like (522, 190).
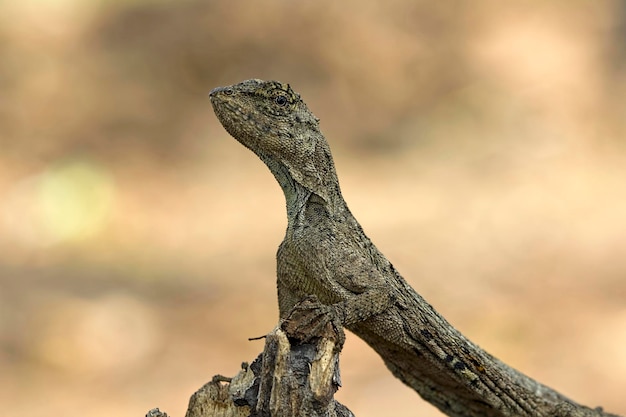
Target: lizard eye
(281, 100)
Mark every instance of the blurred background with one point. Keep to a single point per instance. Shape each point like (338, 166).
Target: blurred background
(482, 147)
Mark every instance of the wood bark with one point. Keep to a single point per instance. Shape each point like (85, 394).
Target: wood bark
(289, 378)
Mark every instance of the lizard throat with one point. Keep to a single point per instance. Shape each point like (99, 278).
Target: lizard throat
(298, 195)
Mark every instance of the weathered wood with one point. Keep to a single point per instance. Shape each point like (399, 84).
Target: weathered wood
(290, 378)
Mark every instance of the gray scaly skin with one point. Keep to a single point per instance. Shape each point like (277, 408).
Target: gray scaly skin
(326, 254)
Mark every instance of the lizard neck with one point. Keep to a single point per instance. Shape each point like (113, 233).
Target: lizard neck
(296, 195)
(310, 177)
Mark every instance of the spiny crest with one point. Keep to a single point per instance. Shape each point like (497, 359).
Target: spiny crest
(271, 89)
(275, 98)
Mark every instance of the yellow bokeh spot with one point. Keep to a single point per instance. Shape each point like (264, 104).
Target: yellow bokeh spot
(75, 200)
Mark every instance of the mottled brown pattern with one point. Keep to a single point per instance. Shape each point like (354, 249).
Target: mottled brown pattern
(325, 253)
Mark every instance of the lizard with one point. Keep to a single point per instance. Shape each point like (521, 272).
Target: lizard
(326, 254)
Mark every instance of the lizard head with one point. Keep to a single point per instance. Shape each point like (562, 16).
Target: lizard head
(262, 115)
(271, 119)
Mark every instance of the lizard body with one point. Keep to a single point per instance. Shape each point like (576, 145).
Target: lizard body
(326, 253)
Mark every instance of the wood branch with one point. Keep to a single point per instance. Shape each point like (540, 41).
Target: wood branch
(289, 378)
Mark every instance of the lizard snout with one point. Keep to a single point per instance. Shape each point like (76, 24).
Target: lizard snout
(226, 90)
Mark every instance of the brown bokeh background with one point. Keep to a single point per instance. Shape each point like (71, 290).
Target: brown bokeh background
(481, 145)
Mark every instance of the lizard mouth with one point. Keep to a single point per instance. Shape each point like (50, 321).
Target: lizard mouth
(226, 111)
(232, 116)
